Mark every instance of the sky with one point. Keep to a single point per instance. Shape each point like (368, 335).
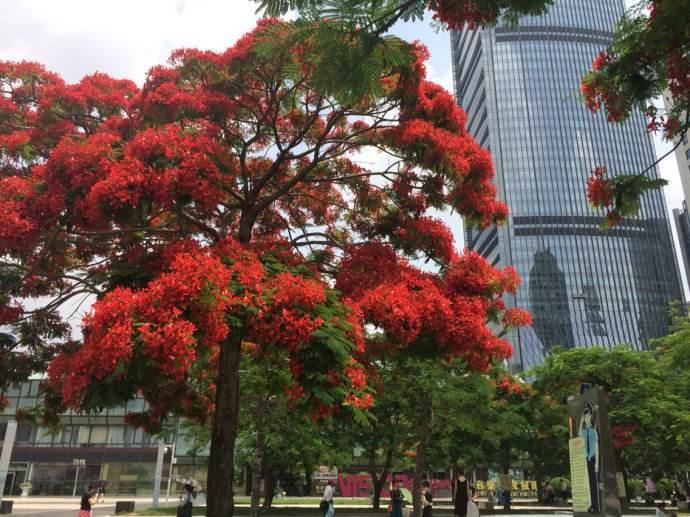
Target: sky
(124, 38)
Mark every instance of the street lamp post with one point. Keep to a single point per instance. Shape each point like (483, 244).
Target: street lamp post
(78, 463)
(158, 474)
(173, 460)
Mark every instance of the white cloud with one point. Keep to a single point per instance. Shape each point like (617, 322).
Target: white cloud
(123, 38)
(444, 77)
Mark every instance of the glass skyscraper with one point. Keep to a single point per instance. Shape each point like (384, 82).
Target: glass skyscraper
(583, 285)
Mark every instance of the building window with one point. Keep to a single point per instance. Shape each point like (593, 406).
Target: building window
(116, 435)
(83, 435)
(44, 436)
(24, 433)
(99, 435)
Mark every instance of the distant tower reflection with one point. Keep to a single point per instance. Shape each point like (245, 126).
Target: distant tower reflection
(548, 302)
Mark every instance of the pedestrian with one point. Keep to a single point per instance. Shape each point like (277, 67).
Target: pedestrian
(564, 491)
(184, 509)
(675, 493)
(506, 483)
(660, 510)
(327, 500)
(649, 490)
(100, 491)
(549, 496)
(461, 493)
(397, 498)
(427, 499)
(472, 507)
(87, 500)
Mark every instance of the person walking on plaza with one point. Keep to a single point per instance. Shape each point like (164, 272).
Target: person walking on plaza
(649, 489)
(549, 496)
(87, 500)
(397, 499)
(506, 482)
(327, 499)
(472, 507)
(184, 509)
(100, 491)
(427, 499)
(660, 510)
(461, 493)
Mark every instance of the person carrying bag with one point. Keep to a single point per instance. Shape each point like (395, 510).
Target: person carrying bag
(184, 509)
(326, 505)
(87, 500)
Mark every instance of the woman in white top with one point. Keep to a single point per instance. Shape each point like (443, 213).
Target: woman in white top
(327, 499)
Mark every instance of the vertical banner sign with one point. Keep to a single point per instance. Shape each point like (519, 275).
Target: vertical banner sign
(592, 468)
(579, 478)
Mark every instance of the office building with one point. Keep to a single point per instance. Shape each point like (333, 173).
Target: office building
(681, 216)
(583, 285)
(88, 448)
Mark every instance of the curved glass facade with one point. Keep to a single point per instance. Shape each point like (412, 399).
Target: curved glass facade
(584, 286)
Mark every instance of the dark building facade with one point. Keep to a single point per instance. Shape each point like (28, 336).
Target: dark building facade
(87, 448)
(584, 285)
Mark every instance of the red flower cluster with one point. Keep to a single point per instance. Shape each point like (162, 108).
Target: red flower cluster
(623, 435)
(451, 311)
(429, 235)
(509, 385)
(432, 131)
(516, 317)
(364, 402)
(601, 192)
(456, 14)
(165, 324)
(597, 92)
(165, 333)
(288, 319)
(626, 75)
(603, 58)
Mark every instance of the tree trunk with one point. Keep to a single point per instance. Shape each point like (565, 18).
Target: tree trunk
(620, 467)
(257, 464)
(420, 464)
(220, 502)
(269, 486)
(308, 470)
(248, 480)
(379, 482)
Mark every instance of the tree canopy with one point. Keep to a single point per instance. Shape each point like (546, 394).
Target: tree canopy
(212, 212)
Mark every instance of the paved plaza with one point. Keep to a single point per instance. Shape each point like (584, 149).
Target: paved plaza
(68, 507)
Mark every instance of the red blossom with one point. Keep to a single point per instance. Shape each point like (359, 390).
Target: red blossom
(601, 60)
(623, 435)
(517, 317)
(600, 190)
(430, 236)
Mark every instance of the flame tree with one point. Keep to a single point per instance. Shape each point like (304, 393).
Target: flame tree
(215, 210)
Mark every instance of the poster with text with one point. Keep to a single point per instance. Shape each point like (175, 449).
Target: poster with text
(593, 474)
(579, 477)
